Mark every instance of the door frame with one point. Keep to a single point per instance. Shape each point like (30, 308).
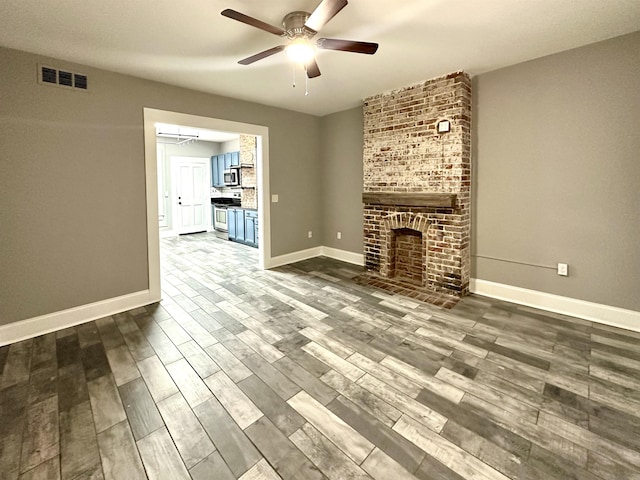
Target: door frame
(153, 116)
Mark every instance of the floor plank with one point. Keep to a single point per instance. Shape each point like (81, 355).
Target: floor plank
(120, 457)
(160, 458)
(346, 438)
(106, 404)
(79, 455)
(236, 449)
(191, 440)
(140, 408)
(241, 409)
(331, 461)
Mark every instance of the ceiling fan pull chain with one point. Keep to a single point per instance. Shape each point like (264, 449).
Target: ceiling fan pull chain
(294, 75)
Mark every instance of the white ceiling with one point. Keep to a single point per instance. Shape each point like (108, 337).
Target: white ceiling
(188, 43)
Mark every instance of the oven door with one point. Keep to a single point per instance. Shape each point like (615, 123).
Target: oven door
(220, 218)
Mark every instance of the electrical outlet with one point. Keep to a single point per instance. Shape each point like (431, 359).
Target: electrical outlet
(310, 234)
(339, 235)
(563, 269)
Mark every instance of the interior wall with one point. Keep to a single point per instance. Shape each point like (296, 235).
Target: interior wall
(230, 145)
(556, 173)
(341, 138)
(72, 182)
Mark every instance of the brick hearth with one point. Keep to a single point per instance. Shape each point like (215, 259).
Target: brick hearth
(417, 189)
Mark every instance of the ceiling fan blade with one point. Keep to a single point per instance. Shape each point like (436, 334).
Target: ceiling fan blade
(347, 45)
(312, 69)
(241, 17)
(324, 12)
(261, 55)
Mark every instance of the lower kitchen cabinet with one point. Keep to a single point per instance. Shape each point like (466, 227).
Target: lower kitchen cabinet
(231, 223)
(251, 227)
(243, 226)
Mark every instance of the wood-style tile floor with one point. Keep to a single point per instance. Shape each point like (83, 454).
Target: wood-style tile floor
(301, 373)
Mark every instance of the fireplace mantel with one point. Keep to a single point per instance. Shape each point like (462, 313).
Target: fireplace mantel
(440, 200)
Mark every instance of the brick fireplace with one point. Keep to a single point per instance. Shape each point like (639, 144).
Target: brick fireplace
(416, 192)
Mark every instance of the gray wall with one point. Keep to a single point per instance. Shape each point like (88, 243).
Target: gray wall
(72, 182)
(555, 178)
(556, 171)
(341, 135)
(230, 145)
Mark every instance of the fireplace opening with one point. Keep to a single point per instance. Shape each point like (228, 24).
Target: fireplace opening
(408, 256)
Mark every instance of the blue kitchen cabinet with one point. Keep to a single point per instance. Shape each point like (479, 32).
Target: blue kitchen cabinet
(240, 230)
(231, 223)
(235, 224)
(251, 227)
(243, 226)
(215, 177)
(220, 163)
(221, 169)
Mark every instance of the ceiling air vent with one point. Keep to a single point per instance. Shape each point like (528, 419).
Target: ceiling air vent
(62, 78)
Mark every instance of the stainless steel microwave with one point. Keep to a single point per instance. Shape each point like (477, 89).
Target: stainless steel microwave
(232, 177)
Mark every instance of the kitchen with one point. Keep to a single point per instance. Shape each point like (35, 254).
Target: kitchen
(207, 181)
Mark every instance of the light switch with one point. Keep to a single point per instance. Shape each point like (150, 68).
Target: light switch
(274, 198)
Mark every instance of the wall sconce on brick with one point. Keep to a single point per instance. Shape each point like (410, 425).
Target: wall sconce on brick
(443, 126)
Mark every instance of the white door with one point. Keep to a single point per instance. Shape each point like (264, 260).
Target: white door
(191, 194)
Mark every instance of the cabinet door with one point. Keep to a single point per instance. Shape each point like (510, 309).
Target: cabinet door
(227, 160)
(256, 228)
(235, 158)
(214, 171)
(240, 233)
(221, 169)
(231, 223)
(249, 229)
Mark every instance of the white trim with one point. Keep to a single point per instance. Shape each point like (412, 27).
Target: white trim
(294, 257)
(337, 254)
(343, 255)
(33, 327)
(595, 312)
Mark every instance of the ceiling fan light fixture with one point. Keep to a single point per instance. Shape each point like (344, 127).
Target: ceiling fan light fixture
(301, 51)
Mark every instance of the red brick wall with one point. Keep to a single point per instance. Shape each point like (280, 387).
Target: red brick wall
(403, 153)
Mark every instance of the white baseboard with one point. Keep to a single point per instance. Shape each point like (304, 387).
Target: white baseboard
(595, 312)
(335, 253)
(33, 327)
(293, 257)
(345, 256)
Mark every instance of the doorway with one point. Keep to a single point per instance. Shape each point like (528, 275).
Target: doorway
(153, 117)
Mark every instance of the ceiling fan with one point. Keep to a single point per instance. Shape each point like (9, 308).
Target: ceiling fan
(299, 29)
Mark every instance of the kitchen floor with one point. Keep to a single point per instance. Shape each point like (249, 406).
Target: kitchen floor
(299, 372)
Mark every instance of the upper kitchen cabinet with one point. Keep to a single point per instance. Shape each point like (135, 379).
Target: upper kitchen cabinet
(220, 163)
(215, 173)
